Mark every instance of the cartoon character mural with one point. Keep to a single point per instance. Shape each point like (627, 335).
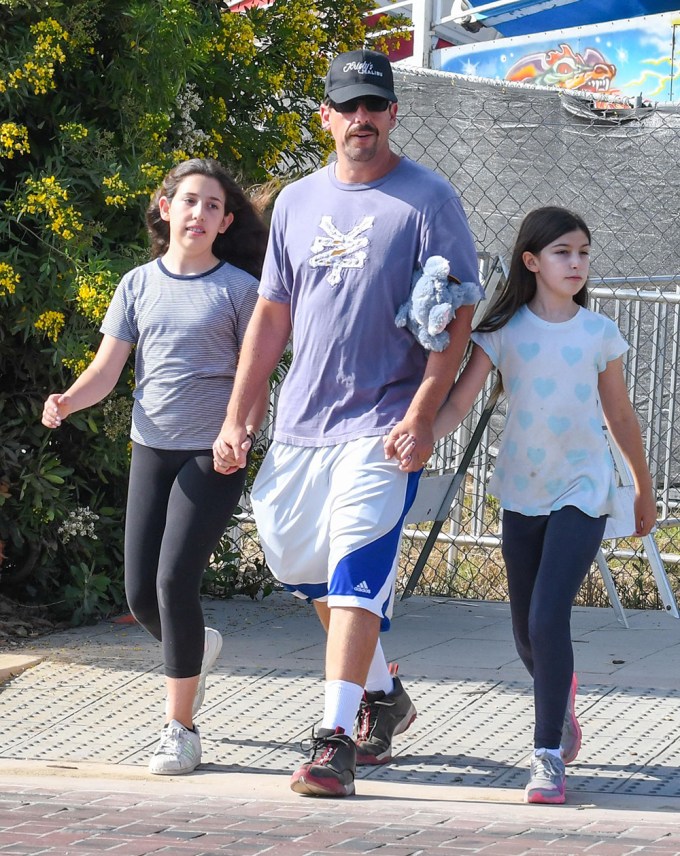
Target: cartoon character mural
(565, 68)
(627, 59)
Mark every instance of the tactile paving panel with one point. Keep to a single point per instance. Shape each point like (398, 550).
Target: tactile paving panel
(468, 733)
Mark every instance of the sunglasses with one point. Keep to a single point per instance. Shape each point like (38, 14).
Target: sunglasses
(373, 103)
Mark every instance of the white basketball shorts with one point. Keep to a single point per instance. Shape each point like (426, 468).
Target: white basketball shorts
(329, 520)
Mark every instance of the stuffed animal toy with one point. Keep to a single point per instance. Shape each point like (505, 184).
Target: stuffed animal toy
(433, 302)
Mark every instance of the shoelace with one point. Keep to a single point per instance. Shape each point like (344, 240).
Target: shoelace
(365, 715)
(364, 722)
(545, 767)
(169, 737)
(311, 745)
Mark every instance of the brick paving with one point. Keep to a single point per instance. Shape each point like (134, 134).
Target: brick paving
(74, 820)
(76, 732)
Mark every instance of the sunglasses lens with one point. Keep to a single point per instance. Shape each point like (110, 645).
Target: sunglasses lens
(377, 105)
(372, 103)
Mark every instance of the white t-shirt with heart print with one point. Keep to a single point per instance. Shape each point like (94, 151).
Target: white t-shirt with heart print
(553, 451)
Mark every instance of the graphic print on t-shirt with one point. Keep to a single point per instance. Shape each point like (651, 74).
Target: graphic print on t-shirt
(338, 250)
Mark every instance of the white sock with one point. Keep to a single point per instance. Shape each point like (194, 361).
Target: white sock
(341, 704)
(379, 677)
(554, 752)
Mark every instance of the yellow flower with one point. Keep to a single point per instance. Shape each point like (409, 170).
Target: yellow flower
(78, 364)
(38, 67)
(13, 138)
(9, 279)
(94, 292)
(46, 196)
(51, 324)
(74, 130)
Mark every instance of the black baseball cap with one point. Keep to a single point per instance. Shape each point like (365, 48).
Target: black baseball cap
(359, 73)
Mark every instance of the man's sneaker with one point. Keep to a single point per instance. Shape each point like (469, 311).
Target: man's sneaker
(547, 781)
(571, 730)
(213, 646)
(178, 752)
(380, 718)
(331, 766)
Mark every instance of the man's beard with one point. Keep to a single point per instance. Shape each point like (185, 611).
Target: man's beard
(361, 153)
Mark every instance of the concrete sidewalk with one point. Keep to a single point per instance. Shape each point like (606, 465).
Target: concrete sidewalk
(77, 730)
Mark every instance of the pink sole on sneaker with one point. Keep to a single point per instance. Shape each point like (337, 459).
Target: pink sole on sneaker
(303, 782)
(542, 798)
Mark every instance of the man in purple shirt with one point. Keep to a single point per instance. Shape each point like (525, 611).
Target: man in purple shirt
(329, 500)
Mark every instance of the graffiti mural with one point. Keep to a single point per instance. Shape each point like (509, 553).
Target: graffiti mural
(629, 58)
(565, 68)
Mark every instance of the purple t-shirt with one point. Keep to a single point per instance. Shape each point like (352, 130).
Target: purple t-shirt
(343, 256)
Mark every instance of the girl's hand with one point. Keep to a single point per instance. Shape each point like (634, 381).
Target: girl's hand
(230, 449)
(645, 512)
(411, 442)
(404, 445)
(55, 410)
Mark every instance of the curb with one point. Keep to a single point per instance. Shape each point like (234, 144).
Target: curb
(12, 665)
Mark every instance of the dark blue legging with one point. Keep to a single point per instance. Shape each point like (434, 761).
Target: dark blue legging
(177, 510)
(547, 559)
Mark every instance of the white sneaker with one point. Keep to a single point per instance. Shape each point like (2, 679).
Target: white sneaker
(213, 646)
(547, 779)
(178, 752)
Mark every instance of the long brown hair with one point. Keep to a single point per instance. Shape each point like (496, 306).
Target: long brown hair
(539, 228)
(245, 241)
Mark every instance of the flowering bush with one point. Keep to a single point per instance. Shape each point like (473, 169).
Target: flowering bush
(98, 99)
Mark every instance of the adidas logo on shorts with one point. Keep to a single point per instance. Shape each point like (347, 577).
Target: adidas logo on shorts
(362, 588)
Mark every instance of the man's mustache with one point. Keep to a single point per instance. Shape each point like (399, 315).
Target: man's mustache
(362, 129)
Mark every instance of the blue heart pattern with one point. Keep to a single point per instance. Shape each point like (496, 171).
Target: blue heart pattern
(592, 325)
(555, 486)
(544, 386)
(521, 482)
(536, 455)
(528, 350)
(558, 424)
(572, 355)
(525, 418)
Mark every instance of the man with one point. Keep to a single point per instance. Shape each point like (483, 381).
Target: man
(330, 500)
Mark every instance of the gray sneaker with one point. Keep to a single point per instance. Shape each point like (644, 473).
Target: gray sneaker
(213, 646)
(380, 718)
(571, 730)
(178, 752)
(547, 781)
(331, 768)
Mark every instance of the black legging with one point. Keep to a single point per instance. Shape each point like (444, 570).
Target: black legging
(177, 510)
(547, 559)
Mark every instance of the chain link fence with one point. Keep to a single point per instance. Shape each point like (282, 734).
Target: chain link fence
(508, 148)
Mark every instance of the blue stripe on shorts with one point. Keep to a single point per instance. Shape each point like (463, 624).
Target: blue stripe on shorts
(310, 591)
(350, 572)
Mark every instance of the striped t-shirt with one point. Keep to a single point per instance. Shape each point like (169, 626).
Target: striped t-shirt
(188, 331)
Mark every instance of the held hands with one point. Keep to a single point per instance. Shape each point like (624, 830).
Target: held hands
(230, 449)
(412, 442)
(55, 410)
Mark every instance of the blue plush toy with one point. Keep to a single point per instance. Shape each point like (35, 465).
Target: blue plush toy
(433, 302)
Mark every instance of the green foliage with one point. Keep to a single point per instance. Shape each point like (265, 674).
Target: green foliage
(98, 99)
